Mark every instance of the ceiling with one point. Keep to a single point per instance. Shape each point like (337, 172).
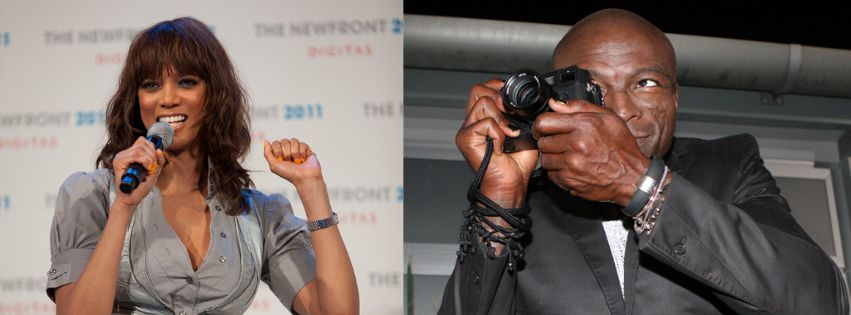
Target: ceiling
(811, 25)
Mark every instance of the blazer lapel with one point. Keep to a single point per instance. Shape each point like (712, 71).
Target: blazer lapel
(591, 240)
(630, 270)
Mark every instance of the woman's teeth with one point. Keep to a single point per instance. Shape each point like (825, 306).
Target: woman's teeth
(175, 120)
(172, 119)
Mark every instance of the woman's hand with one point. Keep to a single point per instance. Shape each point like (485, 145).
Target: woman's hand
(292, 160)
(143, 152)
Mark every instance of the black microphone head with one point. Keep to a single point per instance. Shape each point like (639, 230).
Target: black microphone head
(163, 131)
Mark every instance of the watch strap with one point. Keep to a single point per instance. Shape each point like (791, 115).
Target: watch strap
(323, 223)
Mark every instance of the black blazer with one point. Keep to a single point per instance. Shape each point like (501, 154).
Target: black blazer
(725, 243)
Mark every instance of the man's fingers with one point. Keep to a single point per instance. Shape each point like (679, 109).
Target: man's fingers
(554, 123)
(574, 106)
(553, 162)
(485, 109)
(556, 144)
(489, 90)
(474, 135)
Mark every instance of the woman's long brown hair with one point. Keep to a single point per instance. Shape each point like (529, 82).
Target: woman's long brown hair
(187, 47)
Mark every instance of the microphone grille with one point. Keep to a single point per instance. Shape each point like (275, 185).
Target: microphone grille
(164, 131)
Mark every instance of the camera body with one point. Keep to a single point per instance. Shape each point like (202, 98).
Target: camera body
(526, 92)
(525, 95)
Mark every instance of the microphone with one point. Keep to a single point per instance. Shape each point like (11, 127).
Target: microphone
(161, 134)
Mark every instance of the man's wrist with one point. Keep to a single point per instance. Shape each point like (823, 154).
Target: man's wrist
(506, 200)
(649, 182)
(645, 219)
(497, 220)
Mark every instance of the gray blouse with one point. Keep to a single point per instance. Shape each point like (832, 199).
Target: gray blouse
(156, 264)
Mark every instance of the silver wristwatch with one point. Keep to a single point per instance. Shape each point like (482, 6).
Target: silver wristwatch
(323, 223)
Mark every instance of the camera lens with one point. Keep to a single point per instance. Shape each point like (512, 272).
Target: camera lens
(525, 93)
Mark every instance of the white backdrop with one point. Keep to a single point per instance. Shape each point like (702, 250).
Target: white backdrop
(327, 72)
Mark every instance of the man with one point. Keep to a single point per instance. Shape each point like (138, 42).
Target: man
(712, 234)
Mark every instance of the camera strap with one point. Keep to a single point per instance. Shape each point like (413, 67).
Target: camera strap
(481, 207)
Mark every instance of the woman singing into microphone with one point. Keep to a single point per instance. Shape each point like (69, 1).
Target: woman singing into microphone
(194, 237)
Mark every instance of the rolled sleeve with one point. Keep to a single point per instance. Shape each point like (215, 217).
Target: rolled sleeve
(78, 222)
(289, 262)
(66, 267)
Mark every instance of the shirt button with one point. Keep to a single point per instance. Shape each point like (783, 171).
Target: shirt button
(53, 271)
(223, 234)
(218, 208)
(222, 259)
(679, 249)
(182, 313)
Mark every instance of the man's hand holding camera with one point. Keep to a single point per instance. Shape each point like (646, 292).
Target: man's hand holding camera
(507, 176)
(589, 151)
(586, 147)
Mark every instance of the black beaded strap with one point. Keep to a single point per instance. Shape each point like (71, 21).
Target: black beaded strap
(476, 221)
(645, 187)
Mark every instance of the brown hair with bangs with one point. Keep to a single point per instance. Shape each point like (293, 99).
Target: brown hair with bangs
(187, 46)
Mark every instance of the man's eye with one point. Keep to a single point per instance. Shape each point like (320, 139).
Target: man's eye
(147, 85)
(647, 83)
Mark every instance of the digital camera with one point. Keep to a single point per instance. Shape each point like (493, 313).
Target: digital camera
(525, 95)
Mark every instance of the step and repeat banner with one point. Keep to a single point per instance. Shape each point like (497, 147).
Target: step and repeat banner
(327, 72)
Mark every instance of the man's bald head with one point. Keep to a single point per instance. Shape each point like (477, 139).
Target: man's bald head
(614, 27)
(633, 62)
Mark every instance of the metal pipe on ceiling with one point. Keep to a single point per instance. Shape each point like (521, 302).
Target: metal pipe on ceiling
(464, 44)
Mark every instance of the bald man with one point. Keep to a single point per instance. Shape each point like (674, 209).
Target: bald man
(627, 219)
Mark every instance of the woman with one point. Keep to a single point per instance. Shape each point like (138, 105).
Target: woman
(192, 238)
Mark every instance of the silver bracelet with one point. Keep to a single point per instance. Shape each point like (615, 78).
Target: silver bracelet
(645, 219)
(641, 197)
(645, 223)
(323, 223)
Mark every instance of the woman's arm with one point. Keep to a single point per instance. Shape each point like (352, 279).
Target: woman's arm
(334, 290)
(94, 291)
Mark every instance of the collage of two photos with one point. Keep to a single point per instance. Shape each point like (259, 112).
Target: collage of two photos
(389, 157)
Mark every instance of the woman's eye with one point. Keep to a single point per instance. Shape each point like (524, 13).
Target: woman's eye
(187, 82)
(148, 85)
(647, 83)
